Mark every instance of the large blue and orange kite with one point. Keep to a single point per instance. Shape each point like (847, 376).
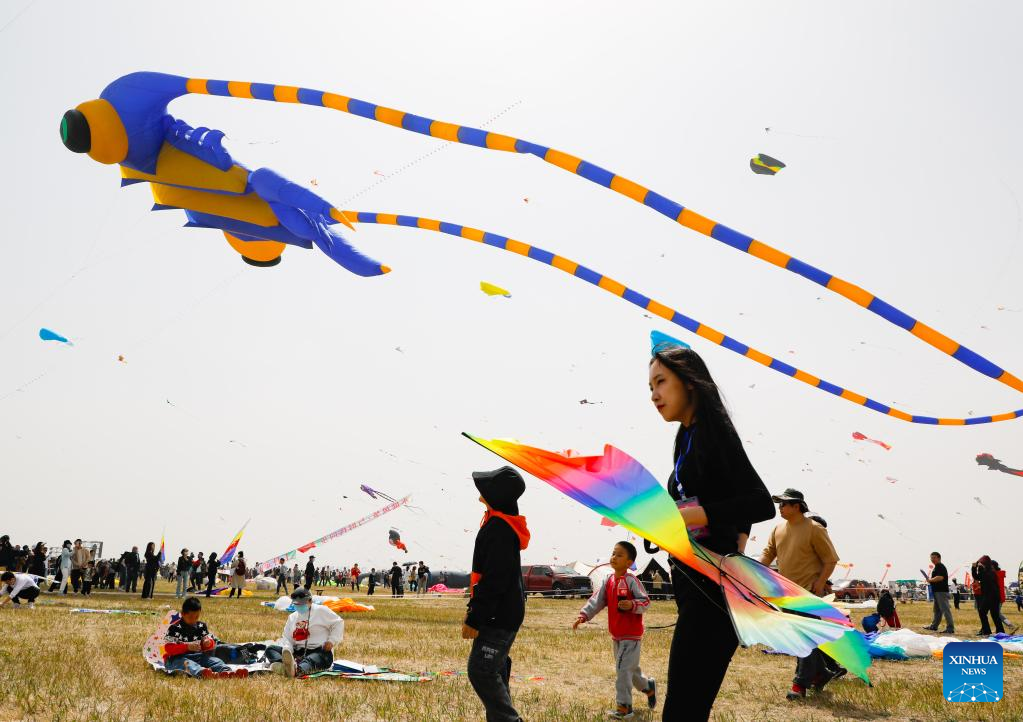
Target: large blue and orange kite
(261, 212)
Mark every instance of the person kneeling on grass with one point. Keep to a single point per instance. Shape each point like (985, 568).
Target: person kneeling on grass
(189, 644)
(626, 601)
(17, 587)
(310, 635)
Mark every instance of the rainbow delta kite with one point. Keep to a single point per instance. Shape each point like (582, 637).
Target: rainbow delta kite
(260, 212)
(766, 608)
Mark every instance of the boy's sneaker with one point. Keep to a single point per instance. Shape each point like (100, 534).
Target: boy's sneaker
(795, 693)
(241, 673)
(277, 668)
(622, 711)
(931, 628)
(31, 605)
(206, 673)
(288, 660)
(947, 631)
(651, 694)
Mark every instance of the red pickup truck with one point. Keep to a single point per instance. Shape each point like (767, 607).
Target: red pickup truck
(556, 581)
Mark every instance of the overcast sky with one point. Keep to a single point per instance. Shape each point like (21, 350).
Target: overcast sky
(272, 394)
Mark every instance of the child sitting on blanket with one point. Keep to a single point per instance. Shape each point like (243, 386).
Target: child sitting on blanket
(189, 644)
(626, 601)
(310, 635)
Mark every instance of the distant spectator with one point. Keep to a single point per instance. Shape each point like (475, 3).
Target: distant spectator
(989, 600)
(6, 554)
(886, 608)
(183, 567)
(80, 557)
(281, 572)
(310, 572)
(211, 573)
(940, 596)
(238, 570)
(152, 566)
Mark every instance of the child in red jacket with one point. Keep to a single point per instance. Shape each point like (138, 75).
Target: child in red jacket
(626, 601)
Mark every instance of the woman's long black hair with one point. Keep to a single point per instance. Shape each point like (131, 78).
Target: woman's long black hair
(714, 421)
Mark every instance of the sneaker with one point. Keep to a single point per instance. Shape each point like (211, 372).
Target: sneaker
(947, 631)
(277, 668)
(241, 673)
(207, 674)
(622, 711)
(288, 660)
(651, 694)
(931, 628)
(31, 605)
(795, 693)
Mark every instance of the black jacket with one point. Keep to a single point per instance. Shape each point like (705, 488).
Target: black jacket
(131, 560)
(152, 563)
(886, 605)
(717, 471)
(498, 597)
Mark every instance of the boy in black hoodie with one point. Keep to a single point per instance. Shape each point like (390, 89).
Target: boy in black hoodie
(497, 599)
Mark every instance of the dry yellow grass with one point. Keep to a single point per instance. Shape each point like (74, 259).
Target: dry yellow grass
(55, 665)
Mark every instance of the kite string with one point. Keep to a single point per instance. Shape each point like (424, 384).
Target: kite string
(669, 314)
(415, 161)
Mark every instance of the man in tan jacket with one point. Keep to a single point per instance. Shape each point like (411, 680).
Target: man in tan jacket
(806, 556)
(80, 557)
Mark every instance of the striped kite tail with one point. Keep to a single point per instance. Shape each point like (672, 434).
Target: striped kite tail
(665, 206)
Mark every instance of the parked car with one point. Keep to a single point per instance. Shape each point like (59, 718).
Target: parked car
(848, 590)
(552, 580)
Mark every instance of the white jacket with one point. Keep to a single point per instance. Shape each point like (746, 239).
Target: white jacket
(21, 583)
(313, 629)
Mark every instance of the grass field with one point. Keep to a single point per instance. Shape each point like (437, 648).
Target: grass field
(55, 665)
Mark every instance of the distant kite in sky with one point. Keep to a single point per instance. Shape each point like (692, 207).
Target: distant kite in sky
(977, 499)
(587, 402)
(260, 212)
(860, 437)
(121, 359)
(394, 539)
(890, 479)
(765, 165)
(492, 290)
(375, 494)
(47, 335)
(994, 464)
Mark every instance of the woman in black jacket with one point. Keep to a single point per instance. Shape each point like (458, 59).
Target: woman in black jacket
(149, 571)
(990, 599)
(720, 497)
(37, 560)
(211, 573)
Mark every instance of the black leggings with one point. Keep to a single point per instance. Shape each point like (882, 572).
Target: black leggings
(148, 585)
(701, 648)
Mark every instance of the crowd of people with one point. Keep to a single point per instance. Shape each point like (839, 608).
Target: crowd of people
(719, 496)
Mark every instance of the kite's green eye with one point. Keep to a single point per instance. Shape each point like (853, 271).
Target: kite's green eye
(74, 132)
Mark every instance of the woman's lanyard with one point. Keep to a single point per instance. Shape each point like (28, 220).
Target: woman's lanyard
(681, 460)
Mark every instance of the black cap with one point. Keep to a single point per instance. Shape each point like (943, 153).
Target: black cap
(74, 131)
(789, 495)
(300, 594)
(500, 488)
